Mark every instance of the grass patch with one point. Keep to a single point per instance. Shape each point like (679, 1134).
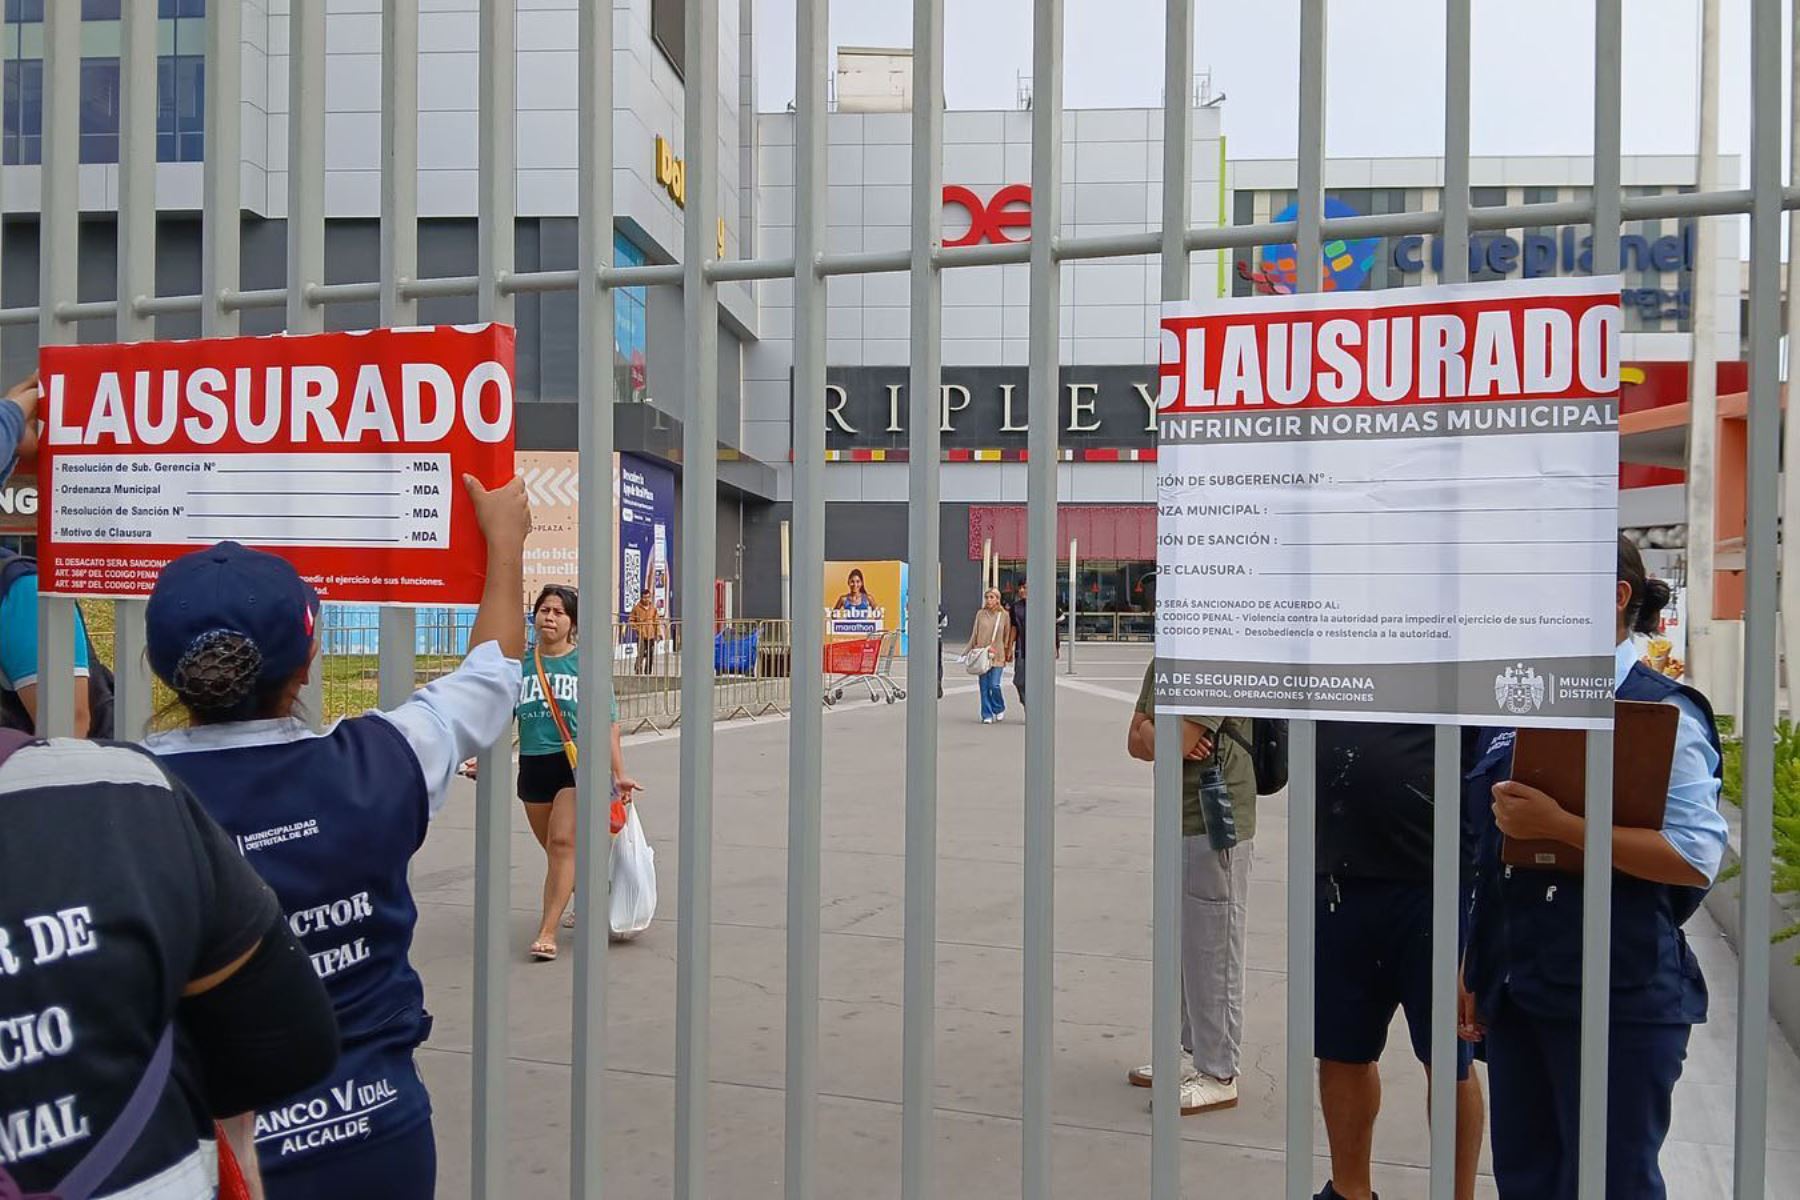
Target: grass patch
(351, 681)
(1786, 865)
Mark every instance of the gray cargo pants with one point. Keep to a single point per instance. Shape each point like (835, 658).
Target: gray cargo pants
(1215, 889)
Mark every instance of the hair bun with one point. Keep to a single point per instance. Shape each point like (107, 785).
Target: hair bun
(218, 673)
(1657, 596)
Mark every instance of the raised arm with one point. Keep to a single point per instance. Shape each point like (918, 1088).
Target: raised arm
(456, 717)
(505, 518)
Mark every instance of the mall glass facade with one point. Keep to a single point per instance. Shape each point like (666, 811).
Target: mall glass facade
(180, 81)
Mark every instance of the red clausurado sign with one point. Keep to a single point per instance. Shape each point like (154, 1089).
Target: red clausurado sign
(1558, 341)
(342, 452)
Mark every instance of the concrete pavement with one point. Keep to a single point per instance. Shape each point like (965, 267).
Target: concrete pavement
(1102, 980)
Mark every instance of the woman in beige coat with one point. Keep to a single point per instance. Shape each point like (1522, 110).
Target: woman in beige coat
(989, 635)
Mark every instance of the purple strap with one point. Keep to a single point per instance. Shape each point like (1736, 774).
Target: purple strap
(105, 1155)
(12, 740)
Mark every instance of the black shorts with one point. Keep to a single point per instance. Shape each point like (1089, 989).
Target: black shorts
(1371, 956)
(541, 776)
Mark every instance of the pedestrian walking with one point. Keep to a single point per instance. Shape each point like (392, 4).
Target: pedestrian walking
(987, 650)
(1016, 640)
(1218, 824)
(149, 982)
(1523, 966)
(646, 630)
(331, 820)
(549, 712)
(1372, 942)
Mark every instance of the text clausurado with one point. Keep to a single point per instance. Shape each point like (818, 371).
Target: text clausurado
(295, 404)
(1491, 349)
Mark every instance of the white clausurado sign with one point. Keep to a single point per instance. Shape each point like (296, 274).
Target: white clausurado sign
(1391, 506)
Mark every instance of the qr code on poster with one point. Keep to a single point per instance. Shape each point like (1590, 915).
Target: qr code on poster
(631, 575)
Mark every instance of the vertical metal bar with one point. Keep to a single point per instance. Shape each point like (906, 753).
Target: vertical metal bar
(306, 213)
(399, 262)
(1790, 509)
(1702, 492)
(1446, 824)
(136, 277)
(221, 185)
(806, 737)
(59, 222)
(1303, 735)
(494, 786)
(699, 555)
(1751, 1140)
(918, 1069)
(594, 567)
(1166, 992)
(1596, 913)
(1043, 388)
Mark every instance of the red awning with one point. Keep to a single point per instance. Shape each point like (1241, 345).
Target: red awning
(1118, 531)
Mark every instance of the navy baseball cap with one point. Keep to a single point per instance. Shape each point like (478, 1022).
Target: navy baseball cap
(232, 589)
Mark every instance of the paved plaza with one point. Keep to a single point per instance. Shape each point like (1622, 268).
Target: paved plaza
(1102, 980)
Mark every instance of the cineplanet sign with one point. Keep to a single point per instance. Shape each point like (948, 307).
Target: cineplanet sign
(1542, 254)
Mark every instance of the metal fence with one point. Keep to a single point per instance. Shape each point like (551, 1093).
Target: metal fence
(495, 284)
(750, 660)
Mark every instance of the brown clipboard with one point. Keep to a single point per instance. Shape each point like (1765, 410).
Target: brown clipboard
(1554, 761)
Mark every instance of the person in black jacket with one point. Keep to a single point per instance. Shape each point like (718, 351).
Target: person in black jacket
(1015, 639)
(148, 980)
(1372, 945)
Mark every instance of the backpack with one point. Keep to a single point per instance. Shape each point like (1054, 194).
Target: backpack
(1267, 746)
(14, 567)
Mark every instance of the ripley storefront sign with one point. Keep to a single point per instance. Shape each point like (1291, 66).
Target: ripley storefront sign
(988, 407)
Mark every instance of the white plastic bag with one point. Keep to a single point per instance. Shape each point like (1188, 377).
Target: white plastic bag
(632, 870)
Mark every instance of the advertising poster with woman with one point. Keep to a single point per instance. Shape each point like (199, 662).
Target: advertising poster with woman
(867, 597)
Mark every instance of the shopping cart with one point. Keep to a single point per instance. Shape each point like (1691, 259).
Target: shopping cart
(869, 660)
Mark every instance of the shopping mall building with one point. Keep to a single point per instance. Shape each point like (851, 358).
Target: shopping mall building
(1109, 316)
(1111, 161)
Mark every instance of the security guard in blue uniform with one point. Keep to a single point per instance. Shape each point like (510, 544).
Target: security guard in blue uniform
(1523, 967)
(330, 821)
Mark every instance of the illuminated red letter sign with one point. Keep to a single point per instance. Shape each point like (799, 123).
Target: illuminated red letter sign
(988, 221)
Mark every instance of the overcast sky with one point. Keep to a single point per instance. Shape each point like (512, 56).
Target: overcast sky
(1532, 85)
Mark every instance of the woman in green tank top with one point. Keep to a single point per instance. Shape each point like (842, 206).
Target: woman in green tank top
(549, 715)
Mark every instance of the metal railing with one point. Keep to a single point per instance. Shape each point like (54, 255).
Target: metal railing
(750, 661)
(495, 283)
(1115, 626)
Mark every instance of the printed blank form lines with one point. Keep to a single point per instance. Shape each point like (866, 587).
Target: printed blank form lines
(400, 501)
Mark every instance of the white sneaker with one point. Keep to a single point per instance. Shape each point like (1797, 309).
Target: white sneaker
(999, 716)
(1206, 1094)
(1140, 1076)
(987, 720)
